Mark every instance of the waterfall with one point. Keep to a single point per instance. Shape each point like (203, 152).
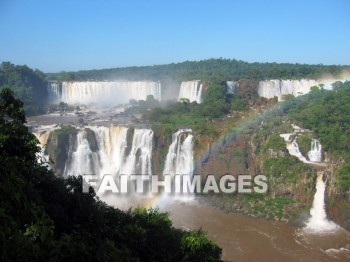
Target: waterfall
(315, 154)
(279, 88)
(43, 136)
(231, 87)
(293, 148)
(191, 90)
(318, 221)
(109, 157)
(179, 160)
(295, 151)
(112, 142)
(140, 156)
(54, 90)
(82, 159)
(103, 93)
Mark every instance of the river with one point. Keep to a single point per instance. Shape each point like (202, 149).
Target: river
(245, 238)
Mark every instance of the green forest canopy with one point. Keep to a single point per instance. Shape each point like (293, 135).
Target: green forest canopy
(226, 69)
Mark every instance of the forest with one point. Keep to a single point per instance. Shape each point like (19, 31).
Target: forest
(29, 85)
(226, 69)
(327, 114)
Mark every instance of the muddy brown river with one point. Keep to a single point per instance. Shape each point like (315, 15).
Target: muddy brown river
(245, 238)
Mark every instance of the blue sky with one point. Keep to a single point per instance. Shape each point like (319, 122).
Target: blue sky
(57, 35)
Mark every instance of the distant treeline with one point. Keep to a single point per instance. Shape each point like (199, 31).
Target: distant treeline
(226, 69)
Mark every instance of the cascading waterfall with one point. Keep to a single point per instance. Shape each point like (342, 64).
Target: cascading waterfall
(318, 221)
(295, 151)
(279, 88)
(54, 90)
(112, 142)
(231, 87)
(42, 133)
(179, 159)
(110, 157)
(103, 93)
(191, 90)
(293, 148)
(82, 159)
(43, 136)
(140, 157)
(315, 154)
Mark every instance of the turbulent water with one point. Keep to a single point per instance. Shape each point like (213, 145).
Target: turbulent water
(42, 135)
(139, 160)
(231, 87)
(103, 93)
(179, 160)
(83, 160)
(318, 221)
(293, 148)
(279, 88)
(110, 156)
(191, 90)
(315, 154)
(112, 142)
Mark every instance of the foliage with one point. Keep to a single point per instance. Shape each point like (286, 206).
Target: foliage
(29, 85)
(286, 168)
(276, 143)
(44, 217)
(227, 69)
(197, 116)
(327, 113)
(304, 143)
(343, 175)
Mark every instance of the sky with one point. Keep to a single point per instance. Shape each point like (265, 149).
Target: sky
(71, 35)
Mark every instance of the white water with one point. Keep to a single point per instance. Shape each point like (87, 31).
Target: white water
(42, 133)
(110, 157)
(82, 159)
(293, 148)
(279, 88)
(112, 144)
(179, 160)
(103, 93)
(139, 160)
(54, 90)
(315, 154)
(231, 87)
(191, 90)
(318, 221)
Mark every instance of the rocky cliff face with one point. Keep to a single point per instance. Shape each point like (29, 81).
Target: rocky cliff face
(58, 145)
(287, 199)
(337, 201)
